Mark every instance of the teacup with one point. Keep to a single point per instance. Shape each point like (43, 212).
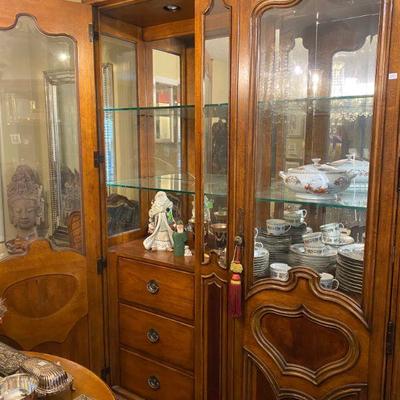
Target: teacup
(296, 217)
(331, 233)
(316, 251)
(327, 281)
(280, 271)
(313, 239)
(277, 227)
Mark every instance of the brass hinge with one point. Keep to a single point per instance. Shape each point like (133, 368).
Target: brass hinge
(105, 372)
(93, 34)
(101, 265)
(390, 338)
(98, 159)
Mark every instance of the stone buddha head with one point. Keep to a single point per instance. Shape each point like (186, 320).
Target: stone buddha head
(25, 201)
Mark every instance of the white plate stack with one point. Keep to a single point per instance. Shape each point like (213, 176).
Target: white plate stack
(323, 263)
(278, 246)
(350, 267)
(261, 263)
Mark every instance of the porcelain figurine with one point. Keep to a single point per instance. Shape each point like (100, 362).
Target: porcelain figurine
(26, 207)
(179, 237)
(188, 252)
(160, 232)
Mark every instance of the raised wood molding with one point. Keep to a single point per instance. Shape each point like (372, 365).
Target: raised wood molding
(169, 30)
(119, 29)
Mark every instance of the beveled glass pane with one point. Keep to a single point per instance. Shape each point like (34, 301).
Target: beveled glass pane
(119, 81)
(216, 84)
(314, 106)
(39, 139)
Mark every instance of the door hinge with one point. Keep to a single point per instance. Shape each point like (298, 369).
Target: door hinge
(98, 159)
(390, 338)
(93, 34)
(105, 372)
(101, 265)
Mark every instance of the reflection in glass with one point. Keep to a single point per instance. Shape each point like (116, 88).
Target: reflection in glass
(118, 66)
(39, 139)
(216, 80)
(315, 87)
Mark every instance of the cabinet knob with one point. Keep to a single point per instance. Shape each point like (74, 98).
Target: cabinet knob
(153, 382)
(152, 287)
(153, 336)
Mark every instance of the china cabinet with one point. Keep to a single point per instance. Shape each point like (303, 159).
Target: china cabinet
(262, 135)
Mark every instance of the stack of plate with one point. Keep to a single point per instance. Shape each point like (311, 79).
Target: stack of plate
(324, 263)
(350, 267)
(296, 233)
(278, 246)
(261, 263)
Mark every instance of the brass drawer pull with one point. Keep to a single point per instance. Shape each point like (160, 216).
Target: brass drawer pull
(153, 382)
(153, 336)
(152, 287)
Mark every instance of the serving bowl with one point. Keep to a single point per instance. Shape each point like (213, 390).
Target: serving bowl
(357, 166)
(317, 181)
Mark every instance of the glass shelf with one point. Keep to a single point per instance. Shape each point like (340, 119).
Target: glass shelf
(176, 183)
(350, 199)
(161, 108)
(322, 98)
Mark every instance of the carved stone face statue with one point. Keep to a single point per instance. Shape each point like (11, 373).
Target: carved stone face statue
(25, 201)
(25, 213)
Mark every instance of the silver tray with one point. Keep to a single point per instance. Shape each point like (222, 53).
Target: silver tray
(10, 360)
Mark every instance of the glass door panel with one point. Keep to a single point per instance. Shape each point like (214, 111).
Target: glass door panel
(314, 100)
(216, 89)
(39, 139)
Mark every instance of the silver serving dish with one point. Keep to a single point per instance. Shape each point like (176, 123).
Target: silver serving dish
(18, 387)
(10, 360)
(52, 377)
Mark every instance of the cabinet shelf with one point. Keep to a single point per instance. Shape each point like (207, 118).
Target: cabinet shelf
(214, 185)
(350, 199)
(164, 108)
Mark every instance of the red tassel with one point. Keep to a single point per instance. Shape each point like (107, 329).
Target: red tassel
(235, 297)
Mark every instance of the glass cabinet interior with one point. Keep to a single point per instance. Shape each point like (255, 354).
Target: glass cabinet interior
(314, 99)
(149, 139)
(216, 95)
(40, 172)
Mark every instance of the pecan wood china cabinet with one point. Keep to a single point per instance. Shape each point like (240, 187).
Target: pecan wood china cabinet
(219, 104)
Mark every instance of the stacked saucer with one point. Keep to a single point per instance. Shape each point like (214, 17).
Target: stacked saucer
(278, 246)
(319, 263)
(350, 267)
(296, 232)
(260, 262)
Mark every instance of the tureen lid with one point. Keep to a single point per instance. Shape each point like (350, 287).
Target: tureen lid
(316, 167)
(351, 160)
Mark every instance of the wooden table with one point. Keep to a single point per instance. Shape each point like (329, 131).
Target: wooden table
(85, 381)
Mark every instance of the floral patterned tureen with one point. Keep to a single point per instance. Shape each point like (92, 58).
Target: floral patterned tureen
(317, 181)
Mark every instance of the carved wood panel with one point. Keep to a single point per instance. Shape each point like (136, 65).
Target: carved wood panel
(46, 295)
(305, 337)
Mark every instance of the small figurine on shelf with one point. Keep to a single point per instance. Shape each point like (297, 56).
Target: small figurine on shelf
(160, 216)
(26, 207)
(188, 252)
(179, 237)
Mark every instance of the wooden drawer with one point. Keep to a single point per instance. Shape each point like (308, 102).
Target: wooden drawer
(139, 373)
(163, 338)
(157, 287)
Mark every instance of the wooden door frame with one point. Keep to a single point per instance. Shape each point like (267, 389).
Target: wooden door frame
(72, 19)
(383, 181)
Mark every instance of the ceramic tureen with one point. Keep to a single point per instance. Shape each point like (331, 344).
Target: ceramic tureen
(317, 181)
(356, 166)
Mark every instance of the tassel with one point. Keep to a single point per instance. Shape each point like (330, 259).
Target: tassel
(235, 296)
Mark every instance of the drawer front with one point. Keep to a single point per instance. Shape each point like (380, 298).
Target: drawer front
(157, 287)
(153, 381)
(160, 337)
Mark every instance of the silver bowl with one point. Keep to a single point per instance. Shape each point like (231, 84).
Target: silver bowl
(18, 387)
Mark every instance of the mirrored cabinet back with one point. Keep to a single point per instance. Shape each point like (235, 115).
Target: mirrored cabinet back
(199, 198)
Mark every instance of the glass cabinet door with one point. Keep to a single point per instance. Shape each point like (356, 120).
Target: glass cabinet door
(216, 94)
(314, 113)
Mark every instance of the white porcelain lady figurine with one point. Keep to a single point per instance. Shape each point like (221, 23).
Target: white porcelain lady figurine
(161, 233)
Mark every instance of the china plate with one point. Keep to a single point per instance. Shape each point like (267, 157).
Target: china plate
(344, 240)
(354, 252)
(299, 249)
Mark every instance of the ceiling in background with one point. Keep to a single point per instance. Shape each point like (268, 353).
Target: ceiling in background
(151, 12)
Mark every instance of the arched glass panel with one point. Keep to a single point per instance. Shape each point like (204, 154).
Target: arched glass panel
(39, 139)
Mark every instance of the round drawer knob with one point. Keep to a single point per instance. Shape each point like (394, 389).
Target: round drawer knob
(153, 382)
(153, 336)
(152, 287)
